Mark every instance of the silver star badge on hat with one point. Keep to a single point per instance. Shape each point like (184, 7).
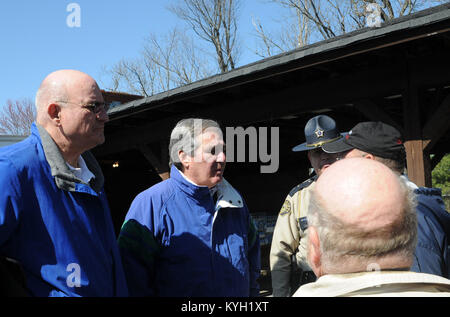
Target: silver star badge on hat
(319, 133)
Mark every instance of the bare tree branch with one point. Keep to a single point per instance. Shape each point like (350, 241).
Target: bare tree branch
(166, 62)
(294, 32)
(173, 59)
(214, 21)
(17, 116)
(388, 6)
(267, 40)
(329, 18)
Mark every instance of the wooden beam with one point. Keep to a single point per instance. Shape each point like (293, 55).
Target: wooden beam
(375, 113)
(436, 159)
(361, 85)
(162, 168)
(367, 84)
(437, 125)
(130, 138)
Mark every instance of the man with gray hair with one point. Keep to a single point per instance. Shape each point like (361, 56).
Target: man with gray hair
(362, 234)
(192, 234)
(383, 143)
(54, 217)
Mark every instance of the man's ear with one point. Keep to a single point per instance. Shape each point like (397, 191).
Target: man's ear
(314, 253)
(54, 113)
(184, 159)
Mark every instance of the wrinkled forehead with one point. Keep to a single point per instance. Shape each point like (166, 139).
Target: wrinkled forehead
(211, 135)
(85, 91)
(211, 138)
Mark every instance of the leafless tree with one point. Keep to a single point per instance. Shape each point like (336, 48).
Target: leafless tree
(175, 59)
(168, 61)
(17, 116)
(133, 76)
(294, 32)
(214, 21)
(325, 19)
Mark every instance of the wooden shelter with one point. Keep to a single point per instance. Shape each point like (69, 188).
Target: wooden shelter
(398, 73)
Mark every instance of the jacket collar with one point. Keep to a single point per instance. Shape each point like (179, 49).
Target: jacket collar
(227, 196)
(64, 178)
(408, 182)
(390, 280)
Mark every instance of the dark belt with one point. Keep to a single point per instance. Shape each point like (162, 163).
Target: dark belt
(299, 277)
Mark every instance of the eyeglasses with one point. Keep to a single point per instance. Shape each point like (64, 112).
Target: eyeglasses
(95, 107)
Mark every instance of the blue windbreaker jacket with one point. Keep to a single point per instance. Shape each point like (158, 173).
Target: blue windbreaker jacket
(432, 254)
(176, 242)
(56, 226)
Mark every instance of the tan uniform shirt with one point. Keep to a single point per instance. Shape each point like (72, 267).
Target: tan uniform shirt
(289, 239)
(377, 283)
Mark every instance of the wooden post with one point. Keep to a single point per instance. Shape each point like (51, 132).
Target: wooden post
(433, 130)
(415, 162)
(413, 132)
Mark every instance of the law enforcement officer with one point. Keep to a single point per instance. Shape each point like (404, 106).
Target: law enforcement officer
(288, 264)
(381, 142)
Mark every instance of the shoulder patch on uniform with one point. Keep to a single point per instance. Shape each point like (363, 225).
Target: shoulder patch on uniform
(302, 185)
(303, 222)
(286, 208)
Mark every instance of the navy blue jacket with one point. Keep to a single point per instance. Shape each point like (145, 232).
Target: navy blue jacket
(432, 254)
(176, 241)
(56, 226)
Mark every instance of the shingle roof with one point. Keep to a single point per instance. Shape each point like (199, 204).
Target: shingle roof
(250, 72)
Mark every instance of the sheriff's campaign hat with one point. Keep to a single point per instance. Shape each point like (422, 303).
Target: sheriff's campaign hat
(319, 130)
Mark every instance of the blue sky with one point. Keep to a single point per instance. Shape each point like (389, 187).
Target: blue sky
(35, 39)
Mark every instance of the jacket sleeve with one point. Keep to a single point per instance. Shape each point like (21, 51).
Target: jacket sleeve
(285, 242)
(121, 288)
(139, 249)
(10, 200)
(254, 258)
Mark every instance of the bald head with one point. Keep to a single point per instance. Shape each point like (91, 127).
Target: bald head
(71, 108)
(360, 213)
(362, 192)
(61, 85)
